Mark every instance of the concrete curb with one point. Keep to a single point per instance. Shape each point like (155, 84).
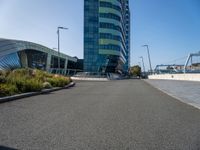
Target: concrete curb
(24, 95)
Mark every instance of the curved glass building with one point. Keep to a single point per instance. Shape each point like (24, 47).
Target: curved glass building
(106, 35)
(23, 54)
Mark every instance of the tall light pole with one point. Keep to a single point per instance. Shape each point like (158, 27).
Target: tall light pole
(58, 32)
(143, 63)
(139, 63)
(148, 57)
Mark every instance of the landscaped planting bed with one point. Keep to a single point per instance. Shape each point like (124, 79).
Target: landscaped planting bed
(29, 80)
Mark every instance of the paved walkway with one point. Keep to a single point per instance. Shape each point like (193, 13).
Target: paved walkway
(114, 115)
(186, 91)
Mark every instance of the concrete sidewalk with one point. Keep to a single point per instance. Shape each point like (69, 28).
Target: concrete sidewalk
(186, 91)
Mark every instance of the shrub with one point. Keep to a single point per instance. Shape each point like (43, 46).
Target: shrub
(18, 74)
(41, 75)
(6, 72)
(2, 77)
(58, 81)
(31, 85)
(47, 85)
(70, 80)
(22, 72)
(135, 71)
(29, 80)
(2, 73)
(8, 89)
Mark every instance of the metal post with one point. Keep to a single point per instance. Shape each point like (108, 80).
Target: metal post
(148, 57)
(186, 63)
(58, 49)
(58, 32)
(143, 63)
(139, 63)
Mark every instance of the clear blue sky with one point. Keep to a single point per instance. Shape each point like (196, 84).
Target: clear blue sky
(170, 27)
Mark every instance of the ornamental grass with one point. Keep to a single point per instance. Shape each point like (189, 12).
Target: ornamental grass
(29, 80)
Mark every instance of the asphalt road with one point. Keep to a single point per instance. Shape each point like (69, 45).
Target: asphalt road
(116, 115)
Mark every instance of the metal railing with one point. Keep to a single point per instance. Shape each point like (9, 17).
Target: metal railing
(91, 75)
(66, 72)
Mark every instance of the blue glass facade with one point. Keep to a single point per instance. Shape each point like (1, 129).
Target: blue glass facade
(22, 54)
(10, 61)
(106, 35)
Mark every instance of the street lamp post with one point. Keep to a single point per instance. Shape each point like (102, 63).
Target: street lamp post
(148, 57)
(139, 63)
(58, 32)
(143, 63)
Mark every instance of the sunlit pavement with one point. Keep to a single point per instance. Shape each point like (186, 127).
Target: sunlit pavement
(186, 91)
(128, 114)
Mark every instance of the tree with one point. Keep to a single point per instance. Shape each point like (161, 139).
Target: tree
(135, 71)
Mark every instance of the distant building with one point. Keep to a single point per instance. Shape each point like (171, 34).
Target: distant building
(23, 54)
(106, 36)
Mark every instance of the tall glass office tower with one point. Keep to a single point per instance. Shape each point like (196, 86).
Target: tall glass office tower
(106, 35)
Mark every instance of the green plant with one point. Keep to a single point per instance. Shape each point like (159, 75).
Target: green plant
(22, 72)
(2, 77)
(41, 75)
(31, 85)
(18, 74)
(2, 72)
(58, 81)
(135, 71)
(29, 80)
(46, 85)
(8, 89)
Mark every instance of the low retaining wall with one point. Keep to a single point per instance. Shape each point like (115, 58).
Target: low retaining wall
(186, 77)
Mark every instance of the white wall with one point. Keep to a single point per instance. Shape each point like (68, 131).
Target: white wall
(187, 77)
